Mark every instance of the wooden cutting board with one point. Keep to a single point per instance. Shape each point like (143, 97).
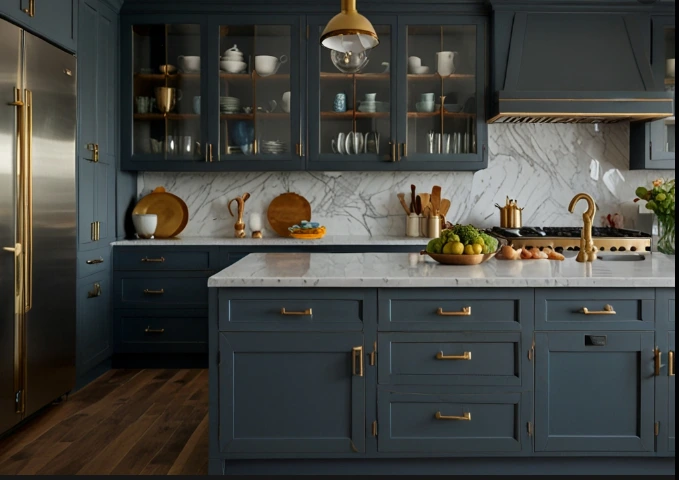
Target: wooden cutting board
(286, 210)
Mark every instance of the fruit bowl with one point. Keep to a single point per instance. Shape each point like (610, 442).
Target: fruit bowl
(451, 259)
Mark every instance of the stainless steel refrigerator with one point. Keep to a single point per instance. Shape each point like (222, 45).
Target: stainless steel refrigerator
(37, 223)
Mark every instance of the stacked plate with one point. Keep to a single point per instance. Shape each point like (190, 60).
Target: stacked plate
(229, 105)
(273, 146)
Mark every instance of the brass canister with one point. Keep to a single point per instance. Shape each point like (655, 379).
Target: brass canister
(511, 215)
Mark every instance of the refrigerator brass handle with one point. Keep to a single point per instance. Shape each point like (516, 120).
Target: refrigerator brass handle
(153, 260)
(465, 312)
(94, 261)
(154, 330)
(670, 363)
(308, 312)
(608, 310)
(28, 198)
(154, 292)
(657, 360)
(357, 360)
(465, 417)
(96, 291)
(30, 11)
(94, 148)
(464, 356)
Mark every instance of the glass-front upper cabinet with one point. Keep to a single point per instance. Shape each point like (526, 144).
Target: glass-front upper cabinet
(662, 131)
(441, 69)
(164, 80)
(352, 102)
(254, 110)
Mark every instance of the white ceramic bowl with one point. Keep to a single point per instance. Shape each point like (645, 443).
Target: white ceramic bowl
(414, 62)
(421, 70)
(145, 224)
(424, 106)
(232, 66)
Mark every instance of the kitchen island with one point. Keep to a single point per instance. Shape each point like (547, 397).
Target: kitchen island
(370, 363)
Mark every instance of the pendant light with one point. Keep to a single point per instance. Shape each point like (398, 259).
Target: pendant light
(349, 31)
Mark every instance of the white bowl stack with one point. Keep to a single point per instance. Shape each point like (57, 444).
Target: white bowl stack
(232, 61)
(229, 105)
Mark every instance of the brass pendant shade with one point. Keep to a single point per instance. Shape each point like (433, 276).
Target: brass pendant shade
(349, 31)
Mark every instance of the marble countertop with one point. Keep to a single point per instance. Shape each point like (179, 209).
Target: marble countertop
(412, 270)
(274, 241)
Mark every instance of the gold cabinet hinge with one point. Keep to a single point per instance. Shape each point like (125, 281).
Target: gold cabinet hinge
(373, 354)
(374, 428)
(529, 427)
(657, 428)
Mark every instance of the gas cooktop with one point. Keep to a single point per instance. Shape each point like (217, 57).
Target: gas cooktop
(568, 238)
(568, 232)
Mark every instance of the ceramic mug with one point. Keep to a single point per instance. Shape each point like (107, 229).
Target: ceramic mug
(427, 97)
(446, 63)
(142, 104)
(340, 103)
(145, 224)
(414, 62)
(189, 63)
(268, 65)
(285, 102)
(370, 97)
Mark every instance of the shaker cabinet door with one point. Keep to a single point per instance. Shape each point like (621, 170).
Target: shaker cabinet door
(664, 394)
(291, 393)
(94, 334)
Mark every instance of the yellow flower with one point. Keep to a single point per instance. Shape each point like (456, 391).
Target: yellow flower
(657, 182)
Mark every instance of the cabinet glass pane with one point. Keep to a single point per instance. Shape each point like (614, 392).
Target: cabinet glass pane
(441, 89)
(667, 141)
(255, 91)
(166, 66)
(355, 107)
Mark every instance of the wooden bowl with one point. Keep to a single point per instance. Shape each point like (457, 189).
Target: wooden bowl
(449, 259)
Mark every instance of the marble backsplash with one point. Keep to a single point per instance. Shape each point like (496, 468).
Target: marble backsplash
(541, 166)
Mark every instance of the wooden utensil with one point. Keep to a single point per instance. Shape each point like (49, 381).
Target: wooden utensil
(426, 199)
(445, 206)
(173, 214)
(402, 199)
(286, 210)
(412, 198)
(426, 211)
(418, 205)
(436, 200)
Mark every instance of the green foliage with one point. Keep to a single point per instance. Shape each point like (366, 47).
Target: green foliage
(660, 198)
(435, 245)
(467, 233)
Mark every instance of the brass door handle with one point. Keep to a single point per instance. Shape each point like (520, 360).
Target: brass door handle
(94, 148)
(30, 11)
(404, 146)
(464, 356)
(394, 154)
(308, 312)
(608, 310)
(153, 260)
(467, 417)
(154, 292)
(657, 360)
(96, 291)
(154, 330)
(465, 312)
(94, 261)
(670, 363)
(357, 360)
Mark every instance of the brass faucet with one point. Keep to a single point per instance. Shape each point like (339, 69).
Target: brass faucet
(587, 251)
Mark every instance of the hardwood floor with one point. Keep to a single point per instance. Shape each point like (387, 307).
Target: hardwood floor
(125, 422)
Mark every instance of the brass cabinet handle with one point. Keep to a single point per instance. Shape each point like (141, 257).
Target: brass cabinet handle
(153, 260)
(670, 363)
(357, 359)
(94, 261)
(30, 11)
(465, 312)
(154, 292)
(154, 330)
(394, 148)
(608, 310)
(464, 356)
(657, 360)
(308, 312)
(94, 148)
(96, 291)
(404, 146)
(467, 417)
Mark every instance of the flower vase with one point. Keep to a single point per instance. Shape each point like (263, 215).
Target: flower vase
(666, 243)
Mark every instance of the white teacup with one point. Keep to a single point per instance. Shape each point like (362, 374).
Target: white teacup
(285, 104)
(189, 63)
(145, 224)
(268, 65)
(414, 62)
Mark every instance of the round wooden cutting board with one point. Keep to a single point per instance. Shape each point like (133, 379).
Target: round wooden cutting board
(286, 210)
(173, 214)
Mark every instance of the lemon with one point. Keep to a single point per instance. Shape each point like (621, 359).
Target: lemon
(468, 250)
(458, 248)
(477, 248)
(448, 248)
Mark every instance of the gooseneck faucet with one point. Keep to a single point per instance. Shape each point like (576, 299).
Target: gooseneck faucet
(587, 251)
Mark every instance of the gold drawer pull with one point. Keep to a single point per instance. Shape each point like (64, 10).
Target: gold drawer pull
(154, 292)
(608, 310)
(357, 358)
(465, 312)
(153, 260)
(95, 292)
(670, 363)
(154, 330)
(95, 261)
(464, 356)
(657, 360)
(467, 417)
(308, 312)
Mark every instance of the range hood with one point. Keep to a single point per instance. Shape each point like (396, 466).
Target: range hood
(575, 67)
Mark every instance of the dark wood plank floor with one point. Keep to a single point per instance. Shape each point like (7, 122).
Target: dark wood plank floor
(125, 422)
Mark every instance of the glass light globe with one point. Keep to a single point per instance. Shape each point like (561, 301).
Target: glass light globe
(349, 62)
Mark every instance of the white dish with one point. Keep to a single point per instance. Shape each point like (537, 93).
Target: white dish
(333, 145)
(340, 143)
(421, 70)
(348, 143)
(232, 66)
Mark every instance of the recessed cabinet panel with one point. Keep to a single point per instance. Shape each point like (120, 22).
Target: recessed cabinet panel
(94, 339)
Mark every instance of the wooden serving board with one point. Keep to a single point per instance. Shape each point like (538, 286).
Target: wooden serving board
(286, 210)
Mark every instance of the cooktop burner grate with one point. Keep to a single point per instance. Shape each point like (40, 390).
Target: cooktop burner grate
(568, 232)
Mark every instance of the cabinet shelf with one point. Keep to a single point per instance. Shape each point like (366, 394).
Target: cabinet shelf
(669, 81)
(160, 77)
(251, 116)
(438, 114)
(436, 76)
(162, 116)
(349, 114)
(358, 76)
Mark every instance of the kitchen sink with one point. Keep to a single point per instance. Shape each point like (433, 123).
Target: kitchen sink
(621, 257)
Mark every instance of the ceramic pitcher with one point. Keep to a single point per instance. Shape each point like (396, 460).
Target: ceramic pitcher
(446, 63)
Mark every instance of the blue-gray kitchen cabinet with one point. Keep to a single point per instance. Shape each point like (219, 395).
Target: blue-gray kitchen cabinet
(664, 380)
(594, 392)
(300, 394)
(53, 20)
(93, 325)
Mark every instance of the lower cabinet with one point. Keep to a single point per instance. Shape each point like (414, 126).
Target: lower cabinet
(93, 338)
(594, 392)
(161, 331)
(664, 394)
(301, 393)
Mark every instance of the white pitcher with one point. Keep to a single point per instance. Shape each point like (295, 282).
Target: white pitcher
(446, 63)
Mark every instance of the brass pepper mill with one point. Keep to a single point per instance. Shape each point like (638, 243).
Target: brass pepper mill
(239, 226)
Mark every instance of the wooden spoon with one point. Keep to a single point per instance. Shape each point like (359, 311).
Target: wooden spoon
(412, 198)
(426, 211)
(402, 199)
(445, 206)
(436, 200)
(426, 199)
(418, 205)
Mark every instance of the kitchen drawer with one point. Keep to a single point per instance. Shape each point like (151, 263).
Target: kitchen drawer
(150, 259)
(607, 308)
(453, 423)
(169, 332)
(440, 309)
(449, 358)
(93, 261)
(295, 309)
(158, 290)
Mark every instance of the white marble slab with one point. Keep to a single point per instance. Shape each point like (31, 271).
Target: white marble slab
(412, 270)
(275, 241)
